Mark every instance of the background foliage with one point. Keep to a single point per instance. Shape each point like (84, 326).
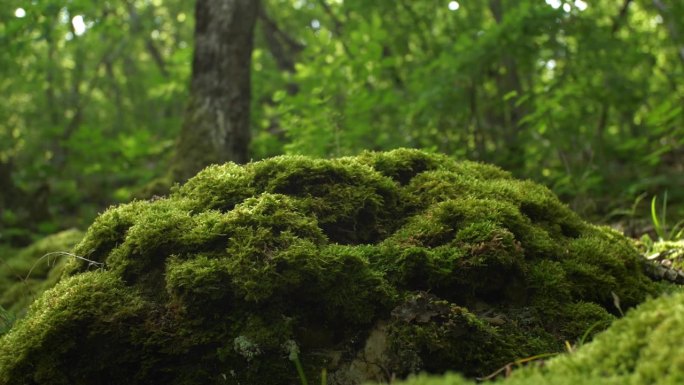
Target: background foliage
(585, 97)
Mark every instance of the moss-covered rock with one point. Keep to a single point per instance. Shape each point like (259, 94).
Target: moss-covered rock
(26, 273)
(666, 258)
(642, 348)
(371, 267)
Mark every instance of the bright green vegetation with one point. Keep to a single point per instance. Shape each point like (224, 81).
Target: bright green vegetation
(643, 348)
(672, 250)
(665, 254)
(373, 266)
(584, 97)
(26, 273)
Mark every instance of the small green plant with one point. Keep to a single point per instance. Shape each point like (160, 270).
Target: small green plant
(293, 351)
(586, 334)
(293, 355)
(630, 214)
(660, 226)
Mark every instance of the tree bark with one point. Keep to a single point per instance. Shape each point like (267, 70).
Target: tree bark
(216, 128)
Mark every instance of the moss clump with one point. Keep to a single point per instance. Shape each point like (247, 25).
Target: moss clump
(89, 317)
(30, 271)
(642, 348)
(371, 267)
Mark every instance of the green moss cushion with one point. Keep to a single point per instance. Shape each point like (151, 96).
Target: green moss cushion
(371, 267)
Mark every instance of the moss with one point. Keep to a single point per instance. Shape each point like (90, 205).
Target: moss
(352, 203)
(372, 266)
(29, 271)
(430, 334)
(60, 341)
(642, 348)
(219, 187)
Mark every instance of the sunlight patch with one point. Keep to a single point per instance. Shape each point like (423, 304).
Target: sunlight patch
(79, 25)
(581, 5)
(554, 3)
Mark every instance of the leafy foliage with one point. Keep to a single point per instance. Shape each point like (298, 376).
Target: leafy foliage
(91, 93)
(576, 95)
(583, 97)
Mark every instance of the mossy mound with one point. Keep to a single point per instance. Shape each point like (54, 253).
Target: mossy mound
(30, 271)
(642, 348)
(370, 267)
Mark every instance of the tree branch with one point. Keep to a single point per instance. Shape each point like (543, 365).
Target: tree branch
(620, 18)
(282, 46)
(337, 26)
(671, 27)
(151, 48)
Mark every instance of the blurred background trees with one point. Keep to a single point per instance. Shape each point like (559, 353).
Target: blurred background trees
(585, 97)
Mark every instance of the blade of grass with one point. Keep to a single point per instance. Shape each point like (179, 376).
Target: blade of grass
(664, 213)
(654, 218)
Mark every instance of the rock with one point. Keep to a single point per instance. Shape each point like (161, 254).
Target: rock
(373, 266)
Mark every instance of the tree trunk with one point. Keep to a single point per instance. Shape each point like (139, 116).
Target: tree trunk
(513, 113)
(9, 191)
(216, 128)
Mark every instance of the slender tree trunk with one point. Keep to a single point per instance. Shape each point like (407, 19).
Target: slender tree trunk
(9, 192)
(513, 113)
(216, 127)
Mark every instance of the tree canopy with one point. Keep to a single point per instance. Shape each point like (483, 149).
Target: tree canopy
(585, 97)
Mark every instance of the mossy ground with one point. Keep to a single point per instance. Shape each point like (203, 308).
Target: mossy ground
(27, 272)
(373, 266)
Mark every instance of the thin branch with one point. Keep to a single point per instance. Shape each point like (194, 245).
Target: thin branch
(337, 26)
(62, 253)
(621, 17)
(53, 107)
(420, 23)
(282, 46)
(508, 368)
(151, 48)
(671, 27)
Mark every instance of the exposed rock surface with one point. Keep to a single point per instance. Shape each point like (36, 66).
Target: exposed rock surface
(372, 267)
